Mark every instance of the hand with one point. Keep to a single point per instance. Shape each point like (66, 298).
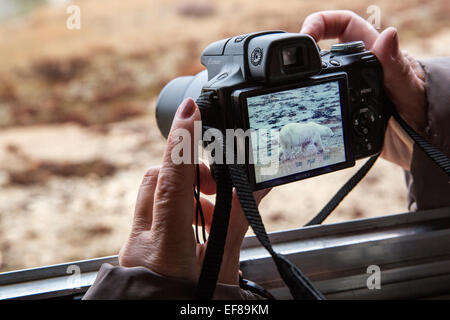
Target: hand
(404, 78)
(162, 238)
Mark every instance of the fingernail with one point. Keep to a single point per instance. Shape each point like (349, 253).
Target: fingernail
(394, 48)
(186, 109)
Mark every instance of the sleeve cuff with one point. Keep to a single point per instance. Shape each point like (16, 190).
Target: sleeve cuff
(139, 283)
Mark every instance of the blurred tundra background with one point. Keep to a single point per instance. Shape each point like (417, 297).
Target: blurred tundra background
(77, 127)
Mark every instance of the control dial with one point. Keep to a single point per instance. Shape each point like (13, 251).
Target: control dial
(364, 121)
(347, 47)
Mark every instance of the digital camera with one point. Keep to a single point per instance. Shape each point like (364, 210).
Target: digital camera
(327, 108)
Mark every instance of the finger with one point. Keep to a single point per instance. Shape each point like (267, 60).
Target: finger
(229, 271)
(237, 228)
(418, 70)
(260, 194)
(400, 80)
(208, 211)
(207, 183)
(238, 221)
(344, 25)
(144, 204)
(173, 204)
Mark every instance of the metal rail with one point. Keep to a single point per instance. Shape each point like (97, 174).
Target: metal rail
(412, 251)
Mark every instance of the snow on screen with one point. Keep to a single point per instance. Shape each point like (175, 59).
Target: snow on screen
(307, 130)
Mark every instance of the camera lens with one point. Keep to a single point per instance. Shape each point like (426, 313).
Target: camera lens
(171, 96)
(290, 56)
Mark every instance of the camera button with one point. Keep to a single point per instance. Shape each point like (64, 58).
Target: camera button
(324, 64)
(361, 124)
(222, 76)
(335, 63)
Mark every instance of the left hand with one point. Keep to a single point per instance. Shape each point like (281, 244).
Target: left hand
(162, 238)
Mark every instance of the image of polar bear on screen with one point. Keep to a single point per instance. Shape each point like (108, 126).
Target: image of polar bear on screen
(299, 137)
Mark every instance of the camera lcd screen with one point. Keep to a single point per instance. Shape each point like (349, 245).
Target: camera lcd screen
(295, 131)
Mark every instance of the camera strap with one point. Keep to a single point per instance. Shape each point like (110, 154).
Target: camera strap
(441, 160)
(227, 176)
(343, 191)
(299, 284)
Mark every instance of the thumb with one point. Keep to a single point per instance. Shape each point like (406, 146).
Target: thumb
(395, 67)
(401, 82)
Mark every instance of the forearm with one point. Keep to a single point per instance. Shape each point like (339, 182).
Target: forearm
(428, 185)
(437, 72)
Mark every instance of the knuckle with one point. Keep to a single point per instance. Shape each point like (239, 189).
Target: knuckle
(405, 69)
(350, 14)
(174, 139)
(125, 259)
(134, 251)
(170, 182)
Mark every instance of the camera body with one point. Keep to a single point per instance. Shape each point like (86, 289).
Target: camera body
(328, 108)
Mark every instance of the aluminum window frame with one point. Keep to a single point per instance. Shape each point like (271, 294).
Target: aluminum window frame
(334, 256)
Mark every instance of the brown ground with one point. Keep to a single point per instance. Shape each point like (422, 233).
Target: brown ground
(77, 116)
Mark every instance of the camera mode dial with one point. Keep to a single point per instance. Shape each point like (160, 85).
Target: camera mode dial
(347, 47)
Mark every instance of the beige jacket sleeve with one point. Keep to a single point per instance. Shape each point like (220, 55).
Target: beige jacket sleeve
(139, 283)
(428, 186)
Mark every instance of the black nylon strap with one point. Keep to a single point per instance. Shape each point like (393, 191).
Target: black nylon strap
(299, 285)
(218, 234)
(441, 160)
(221, 216)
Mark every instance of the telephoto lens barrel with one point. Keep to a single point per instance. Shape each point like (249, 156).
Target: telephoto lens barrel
(173, 94)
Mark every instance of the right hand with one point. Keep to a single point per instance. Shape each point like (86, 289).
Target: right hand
(404, 78)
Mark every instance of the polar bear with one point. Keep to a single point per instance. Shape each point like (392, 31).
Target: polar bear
(294, 135)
